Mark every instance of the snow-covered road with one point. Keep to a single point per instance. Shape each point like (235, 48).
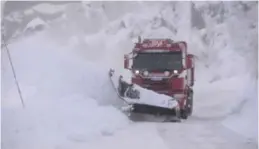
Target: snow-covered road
(201, 135)
(152, 135)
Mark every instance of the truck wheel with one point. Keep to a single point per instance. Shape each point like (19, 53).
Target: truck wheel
(184, 113)
(190, 103)
(187, 111)
(178, 115)
(176, 118)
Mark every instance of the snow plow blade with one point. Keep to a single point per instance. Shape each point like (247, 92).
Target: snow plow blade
(143, 101)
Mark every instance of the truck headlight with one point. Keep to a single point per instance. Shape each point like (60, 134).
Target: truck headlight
(145, 73)
(167, 73)
(136, 71)
(175, 71)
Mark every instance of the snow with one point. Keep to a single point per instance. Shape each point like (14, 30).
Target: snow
(47, 8)
(121, 140)
(14, 17)
(59, 98)
(29, 12)
(70, 102)
(245, 121)
(34, 23)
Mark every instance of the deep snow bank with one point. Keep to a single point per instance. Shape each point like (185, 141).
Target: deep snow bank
(230, 54)
(62, 96)
(245, 120)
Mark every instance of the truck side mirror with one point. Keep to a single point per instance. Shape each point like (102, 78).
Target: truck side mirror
(126, 62)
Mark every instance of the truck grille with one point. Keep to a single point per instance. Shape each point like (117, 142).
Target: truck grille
(162, 85)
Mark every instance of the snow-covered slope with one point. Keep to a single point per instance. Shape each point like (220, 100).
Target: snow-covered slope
(232, 59)
(245, 120)
(69, 100)
(61, 96)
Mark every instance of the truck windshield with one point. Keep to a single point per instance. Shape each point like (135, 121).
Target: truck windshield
(158, 61)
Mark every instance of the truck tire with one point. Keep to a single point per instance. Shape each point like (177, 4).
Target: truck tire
(190, 103)
(178, 116)
(184, 113)
(188, 108)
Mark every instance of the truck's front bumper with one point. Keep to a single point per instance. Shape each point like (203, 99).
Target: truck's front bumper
(154, 110)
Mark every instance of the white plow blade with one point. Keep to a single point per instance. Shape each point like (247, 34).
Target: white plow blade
(147, 97)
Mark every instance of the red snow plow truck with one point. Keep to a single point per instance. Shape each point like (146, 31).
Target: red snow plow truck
(163, 66)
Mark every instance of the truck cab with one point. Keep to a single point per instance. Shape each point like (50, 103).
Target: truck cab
(163, 66)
